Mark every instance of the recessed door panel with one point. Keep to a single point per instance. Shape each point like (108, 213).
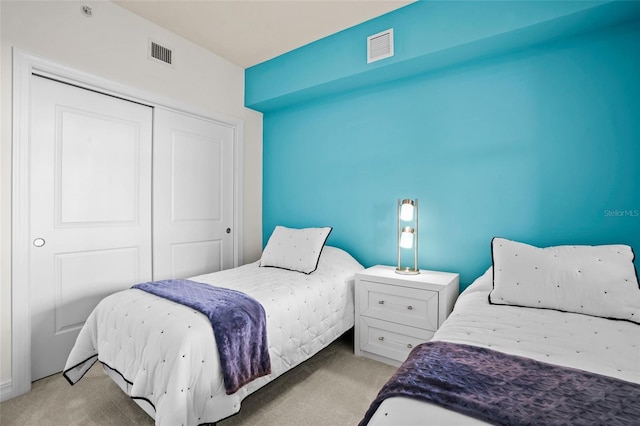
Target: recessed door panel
(97, 167)
(82, 279)
(196, 177)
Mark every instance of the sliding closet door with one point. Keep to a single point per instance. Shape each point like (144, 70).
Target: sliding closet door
(90, 210)
(193, 187)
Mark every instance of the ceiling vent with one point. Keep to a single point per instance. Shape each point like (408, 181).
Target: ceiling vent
(380, 46)
(160, 53)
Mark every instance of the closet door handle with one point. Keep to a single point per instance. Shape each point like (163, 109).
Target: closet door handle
(228, 230)
(39, 242)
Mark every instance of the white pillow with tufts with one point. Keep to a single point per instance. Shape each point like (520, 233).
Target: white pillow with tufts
(594, 280)
(295, 249)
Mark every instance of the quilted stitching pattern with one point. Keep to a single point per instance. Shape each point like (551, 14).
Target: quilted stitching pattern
(238, 323)
(573, 340)
(592, 280)
(166, 351)
(508, 390)
(588, 343)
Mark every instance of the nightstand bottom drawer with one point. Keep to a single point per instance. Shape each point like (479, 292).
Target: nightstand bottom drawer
(390, 340)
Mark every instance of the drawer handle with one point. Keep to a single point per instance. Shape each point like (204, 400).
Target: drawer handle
(409, 345)
(381, 302)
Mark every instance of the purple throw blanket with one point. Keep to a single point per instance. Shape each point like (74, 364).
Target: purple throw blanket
(238, 322)
(510, 390)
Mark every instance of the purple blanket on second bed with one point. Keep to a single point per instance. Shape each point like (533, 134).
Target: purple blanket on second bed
(510, 390)
(238, 323)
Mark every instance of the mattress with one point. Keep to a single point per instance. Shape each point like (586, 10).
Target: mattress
(599, 345)
(165, 352)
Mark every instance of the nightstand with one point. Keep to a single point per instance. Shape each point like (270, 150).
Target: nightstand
(395, 312)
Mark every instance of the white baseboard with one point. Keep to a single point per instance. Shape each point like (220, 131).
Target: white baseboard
(6, 390)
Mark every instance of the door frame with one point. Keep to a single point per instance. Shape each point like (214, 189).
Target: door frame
(24, 65)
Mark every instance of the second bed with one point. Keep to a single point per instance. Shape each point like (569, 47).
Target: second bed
(589, 343)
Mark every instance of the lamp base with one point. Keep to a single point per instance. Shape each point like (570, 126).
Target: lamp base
(405, 270)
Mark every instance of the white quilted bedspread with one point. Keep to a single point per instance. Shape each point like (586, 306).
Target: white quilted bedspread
(599, 345)
(167, 353)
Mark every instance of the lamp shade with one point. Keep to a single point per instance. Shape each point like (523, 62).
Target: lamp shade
(406, 237)
(406, 210)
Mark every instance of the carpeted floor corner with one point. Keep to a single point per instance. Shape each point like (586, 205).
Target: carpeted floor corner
(332, 388)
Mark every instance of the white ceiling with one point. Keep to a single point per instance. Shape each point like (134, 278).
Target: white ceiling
(247, 32)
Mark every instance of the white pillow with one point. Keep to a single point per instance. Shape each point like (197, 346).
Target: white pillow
(295, 249)
(594, 280)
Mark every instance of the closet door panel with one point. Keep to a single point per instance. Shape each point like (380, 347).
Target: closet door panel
(89, 210)
(193, 195)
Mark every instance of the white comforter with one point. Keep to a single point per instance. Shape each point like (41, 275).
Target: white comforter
(166, 352)
(594, 344)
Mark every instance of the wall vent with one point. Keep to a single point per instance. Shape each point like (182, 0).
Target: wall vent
(160, 53)
(380, 46)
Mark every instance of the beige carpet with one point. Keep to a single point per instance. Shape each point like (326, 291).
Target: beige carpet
(332, 388)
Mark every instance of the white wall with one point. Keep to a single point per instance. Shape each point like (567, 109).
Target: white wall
(112, 44)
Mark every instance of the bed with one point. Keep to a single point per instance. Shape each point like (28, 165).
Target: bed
(500, 321)
(163, 354)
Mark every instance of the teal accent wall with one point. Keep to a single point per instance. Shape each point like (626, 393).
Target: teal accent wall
(429, 35)
(539, 144)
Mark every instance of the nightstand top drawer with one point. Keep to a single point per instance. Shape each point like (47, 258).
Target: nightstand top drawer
(427, 280)
(402, 305)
